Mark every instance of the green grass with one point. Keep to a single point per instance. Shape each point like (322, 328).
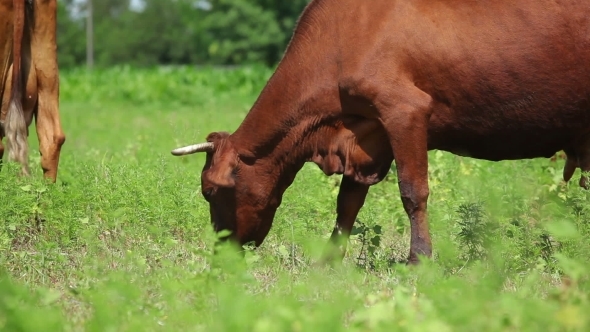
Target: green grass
(122, 242)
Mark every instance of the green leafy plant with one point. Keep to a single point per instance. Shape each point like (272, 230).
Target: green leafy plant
(370, 238)
(474, 229)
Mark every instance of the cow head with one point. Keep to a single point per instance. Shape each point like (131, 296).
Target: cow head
(244, 192)
(242, 198)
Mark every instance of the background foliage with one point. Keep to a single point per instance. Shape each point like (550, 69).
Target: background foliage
(167, 32)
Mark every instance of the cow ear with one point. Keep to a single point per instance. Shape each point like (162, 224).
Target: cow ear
(216, 137)
(222, 162)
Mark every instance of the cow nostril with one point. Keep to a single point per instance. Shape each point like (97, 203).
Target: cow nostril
(207, 193)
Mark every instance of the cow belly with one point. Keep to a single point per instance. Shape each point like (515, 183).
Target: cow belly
(497, 148)
(506, 145)
(513, 128)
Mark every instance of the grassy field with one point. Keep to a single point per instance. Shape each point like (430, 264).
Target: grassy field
(122, 242)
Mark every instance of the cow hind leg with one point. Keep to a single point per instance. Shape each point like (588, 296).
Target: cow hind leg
(571, 163)
(351, 198)
(584, 164)
(579, 156)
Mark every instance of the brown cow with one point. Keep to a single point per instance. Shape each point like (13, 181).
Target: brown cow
(362, 81)
(30, 82)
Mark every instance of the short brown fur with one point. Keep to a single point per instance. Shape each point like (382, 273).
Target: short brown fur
(364, 81)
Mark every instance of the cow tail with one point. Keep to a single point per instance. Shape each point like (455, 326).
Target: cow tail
(15, 126)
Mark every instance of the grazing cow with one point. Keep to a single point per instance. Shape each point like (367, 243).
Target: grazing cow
(363, 82)
(30, 83)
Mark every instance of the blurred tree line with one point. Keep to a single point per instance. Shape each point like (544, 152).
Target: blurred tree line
(165, 32)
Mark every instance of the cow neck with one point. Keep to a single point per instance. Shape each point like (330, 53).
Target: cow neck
(301, 96)
(286, 107)
(311, 136)
(282, 129)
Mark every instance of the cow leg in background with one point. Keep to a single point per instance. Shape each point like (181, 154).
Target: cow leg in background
(1, 149)
(49, 130)
(351, 198)
(406, 122)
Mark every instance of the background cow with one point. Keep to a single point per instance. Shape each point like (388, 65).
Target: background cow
(364, 81)
(30, 81)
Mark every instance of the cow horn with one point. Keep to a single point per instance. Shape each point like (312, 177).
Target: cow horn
(201, 147)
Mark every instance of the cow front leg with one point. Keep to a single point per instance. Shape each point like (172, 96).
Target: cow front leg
(351, 199)
(413, 186)
(406, 124)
